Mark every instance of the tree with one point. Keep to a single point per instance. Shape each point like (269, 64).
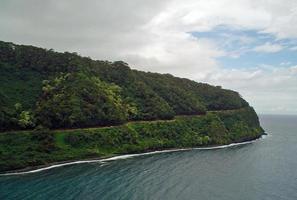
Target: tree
(77, 100)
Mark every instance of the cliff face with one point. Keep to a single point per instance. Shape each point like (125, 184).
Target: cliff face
(49, 101)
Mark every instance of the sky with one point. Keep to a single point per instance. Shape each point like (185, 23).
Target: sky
(245, 45)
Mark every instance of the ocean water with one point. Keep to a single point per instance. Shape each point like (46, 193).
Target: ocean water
(265, 169)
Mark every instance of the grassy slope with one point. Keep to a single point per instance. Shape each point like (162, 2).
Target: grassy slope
(26, 148)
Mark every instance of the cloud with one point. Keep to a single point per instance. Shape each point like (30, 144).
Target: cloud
(293, 48)
(268, 48)
(276, 17)
(109, 30)
(285, 63)
(294, 69)
(265, 87)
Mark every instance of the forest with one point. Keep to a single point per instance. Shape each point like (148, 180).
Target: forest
(40, 147)
(57, 107)
(41, 88)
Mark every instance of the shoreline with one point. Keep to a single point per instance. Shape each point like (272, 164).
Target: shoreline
(31, 170)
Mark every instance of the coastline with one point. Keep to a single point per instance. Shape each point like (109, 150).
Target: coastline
(30, 170)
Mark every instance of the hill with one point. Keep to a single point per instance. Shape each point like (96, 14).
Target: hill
(65, 90)
(60, 106)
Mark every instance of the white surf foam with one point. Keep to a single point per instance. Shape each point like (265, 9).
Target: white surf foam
(128, 156)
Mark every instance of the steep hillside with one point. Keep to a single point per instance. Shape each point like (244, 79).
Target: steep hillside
(65, 90)
(56, 107)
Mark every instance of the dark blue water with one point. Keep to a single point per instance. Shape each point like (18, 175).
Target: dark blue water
(266, 169)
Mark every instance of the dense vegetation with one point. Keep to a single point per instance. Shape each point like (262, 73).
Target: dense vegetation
(40, 87)
(50, 101)
(32, 148)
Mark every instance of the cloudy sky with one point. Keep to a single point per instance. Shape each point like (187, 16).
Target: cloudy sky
(245, 45)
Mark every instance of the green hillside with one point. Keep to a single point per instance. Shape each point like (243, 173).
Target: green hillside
(65, 90)
(56, 107)
(23, 149)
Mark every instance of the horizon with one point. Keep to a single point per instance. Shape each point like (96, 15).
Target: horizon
(278, 114)
(249, 47)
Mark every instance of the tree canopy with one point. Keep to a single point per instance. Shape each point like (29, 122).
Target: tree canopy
(59, 90)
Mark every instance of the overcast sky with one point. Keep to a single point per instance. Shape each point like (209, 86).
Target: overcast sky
(245, 45)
